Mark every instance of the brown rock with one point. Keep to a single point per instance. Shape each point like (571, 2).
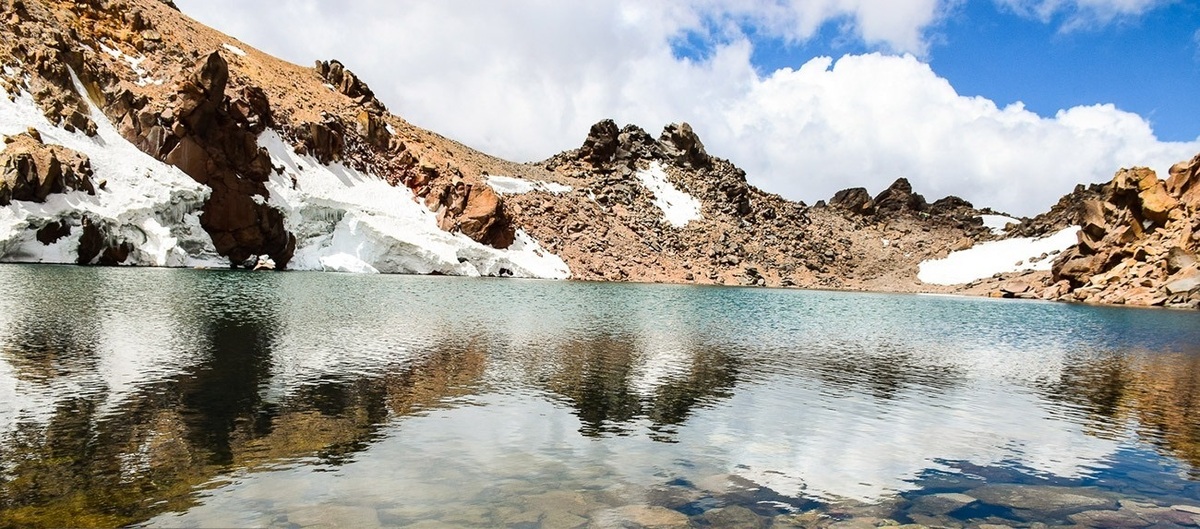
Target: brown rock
(601, 143)
(1184, 182)
(899, 197)
(31, 170)
(684, 145)
(1157, 203)
(855, 200)
(1184, 281)
(1015, 288)
(1178, 259)
(1093, 220)
(192, 159)
(483, 218)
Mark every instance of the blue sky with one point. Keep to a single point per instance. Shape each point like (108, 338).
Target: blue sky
(808, 96)
(1148, 64)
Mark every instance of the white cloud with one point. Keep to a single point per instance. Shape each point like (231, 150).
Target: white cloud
(1081, 14)
(526, 80)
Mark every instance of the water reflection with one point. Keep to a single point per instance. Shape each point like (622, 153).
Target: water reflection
(1159, 393)
(612, 384)
(125, 394)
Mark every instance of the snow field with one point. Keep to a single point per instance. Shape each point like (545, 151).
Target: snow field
(990, 258)
(678, 207)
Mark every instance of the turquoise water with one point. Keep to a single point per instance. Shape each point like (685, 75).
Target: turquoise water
(213, 398)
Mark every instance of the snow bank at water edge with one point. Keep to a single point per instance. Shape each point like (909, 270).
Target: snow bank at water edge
(147, 203)
(990, 258)
(347, 221)
(507, 185)
(678, 208)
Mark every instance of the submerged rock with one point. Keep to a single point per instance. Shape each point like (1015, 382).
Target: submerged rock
(1043, 500)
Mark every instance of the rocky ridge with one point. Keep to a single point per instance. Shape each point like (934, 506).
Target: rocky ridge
(201, 101)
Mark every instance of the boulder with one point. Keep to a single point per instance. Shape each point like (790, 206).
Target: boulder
(1184, 281)
(680, 142)
(952, 205)
(216, 145)
(1157, 203)
(1043, 500)
(1178, 259)
(601, 143)
(484, 220)
(31, 170)
(1184, 182)
(1093, 219)
(899, 197)
(855, 200)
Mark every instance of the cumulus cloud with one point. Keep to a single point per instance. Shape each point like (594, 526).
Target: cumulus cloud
(1081, 14)
(524, 80)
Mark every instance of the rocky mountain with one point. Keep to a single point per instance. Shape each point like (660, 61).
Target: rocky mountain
(137, 136)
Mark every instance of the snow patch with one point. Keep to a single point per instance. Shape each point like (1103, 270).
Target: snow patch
(678, 207)
(135, 64)
(348, 221)
(145, 202)
(234, 50)
(997, 223)
(990, 258)
(507, 185)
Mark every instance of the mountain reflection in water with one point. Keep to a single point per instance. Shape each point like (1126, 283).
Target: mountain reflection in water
(235, 398)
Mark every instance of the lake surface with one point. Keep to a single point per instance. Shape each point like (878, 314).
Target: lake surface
(211, 398)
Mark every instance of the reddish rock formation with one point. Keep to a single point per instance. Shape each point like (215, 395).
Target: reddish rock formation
(1138, 242)
(31, 170)
(217, 147)
(475, 210)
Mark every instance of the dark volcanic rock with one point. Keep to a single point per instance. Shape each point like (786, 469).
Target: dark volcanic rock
(601, 143)
(899, 197)
(855, 199)
(683, 145)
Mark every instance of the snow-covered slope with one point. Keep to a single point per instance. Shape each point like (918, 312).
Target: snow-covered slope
(343, 220)
(347, 221)
(507, 185)
(678, 207)
(990, 258)
(147, 203)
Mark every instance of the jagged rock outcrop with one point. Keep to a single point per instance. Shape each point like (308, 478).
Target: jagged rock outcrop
(899, 201)
(31, 170)
(345, 82)
(855, 200)
(899, 198)
(1138, 242)
(214, 143)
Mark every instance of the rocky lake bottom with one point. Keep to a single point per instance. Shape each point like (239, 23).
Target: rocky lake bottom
(187, 398)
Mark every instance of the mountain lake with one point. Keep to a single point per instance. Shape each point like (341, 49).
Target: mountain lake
(211, 398)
